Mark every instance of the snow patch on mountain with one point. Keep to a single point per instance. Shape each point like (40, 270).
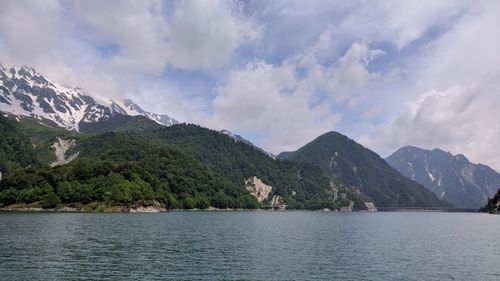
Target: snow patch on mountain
(26, 92)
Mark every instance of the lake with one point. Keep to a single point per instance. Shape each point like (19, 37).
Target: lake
(250, 245)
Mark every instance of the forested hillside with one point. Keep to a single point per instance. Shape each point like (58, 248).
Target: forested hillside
(357, 166)
(183, 166)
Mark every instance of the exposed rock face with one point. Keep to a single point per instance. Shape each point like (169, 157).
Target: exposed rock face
(370, 207)
(258, 189)
(355, 165)
(148, 209)
(451, 177)
(26, 92)
(60, 148)
(349, 208)
(278, 202)
(155, 207)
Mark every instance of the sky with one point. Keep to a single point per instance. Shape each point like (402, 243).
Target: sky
(281, 73)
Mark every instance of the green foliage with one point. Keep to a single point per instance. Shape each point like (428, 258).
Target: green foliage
(9, 196)
(16, 150)
(183, 166)
(50, 200)
(493, 205)
(238, 161)
(123, 169)
(119, 123)
(357, 166)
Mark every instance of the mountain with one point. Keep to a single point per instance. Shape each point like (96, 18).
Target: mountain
(16, 149)
(451, 177)
(237, 138)
(357, 166)
(298, 184)
(26, 92)
(180, 166)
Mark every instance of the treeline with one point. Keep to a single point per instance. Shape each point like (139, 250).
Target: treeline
(125, 169)
(302, 185)
(493, 205)
(16, 151)
(181, 167)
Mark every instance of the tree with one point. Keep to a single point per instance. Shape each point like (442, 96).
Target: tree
(8, 197)
(50, 200)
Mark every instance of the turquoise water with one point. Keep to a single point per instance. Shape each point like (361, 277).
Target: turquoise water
(261, 245)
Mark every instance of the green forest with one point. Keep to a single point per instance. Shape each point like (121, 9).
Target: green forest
(179, 167)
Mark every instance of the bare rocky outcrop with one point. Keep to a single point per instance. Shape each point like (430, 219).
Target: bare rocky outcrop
(146, 209)
(370, 207)
(61, 147)
(258, 189)
(278, 202)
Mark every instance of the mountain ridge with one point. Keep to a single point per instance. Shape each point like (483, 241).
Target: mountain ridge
(357, 166)
(24, 91)
(452, 177)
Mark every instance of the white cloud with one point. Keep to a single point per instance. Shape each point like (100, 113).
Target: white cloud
(459, 119)
(204, 34)
(198, 34)
(441, 59)
(453, 103)
(267, 100)
(29, 29)
(291, 103)
(392, 21)
(136, 29)
(108, 47)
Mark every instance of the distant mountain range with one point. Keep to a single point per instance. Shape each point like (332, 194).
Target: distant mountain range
(451, 177)
(26, 92)
(138, 162)
(359, 167)
(61, 144)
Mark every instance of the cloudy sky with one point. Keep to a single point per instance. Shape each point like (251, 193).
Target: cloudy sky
(280, 73)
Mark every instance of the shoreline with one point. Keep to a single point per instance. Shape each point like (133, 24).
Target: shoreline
(158, 209)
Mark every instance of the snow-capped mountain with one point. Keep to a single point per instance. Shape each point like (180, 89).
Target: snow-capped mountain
(451, 177)
(128, 107)
(24, 91)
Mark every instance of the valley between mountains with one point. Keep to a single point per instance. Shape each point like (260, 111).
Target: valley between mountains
(64, 149)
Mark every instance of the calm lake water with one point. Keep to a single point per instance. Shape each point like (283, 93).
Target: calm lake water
(261, 245)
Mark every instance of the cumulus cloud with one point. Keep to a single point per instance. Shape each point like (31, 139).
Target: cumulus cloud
(388, 72)
(204, 34)
(108, 46)
(453, 103)
(459, 119)
(29, 29)
(291, 103)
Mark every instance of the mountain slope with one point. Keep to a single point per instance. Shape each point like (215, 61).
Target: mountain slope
(25, 92)
(125, 169)
(182, 166)
(493, 205)
(359, 167)
(16, 150)
(237, 138)
(300, 185)
(451, 177)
